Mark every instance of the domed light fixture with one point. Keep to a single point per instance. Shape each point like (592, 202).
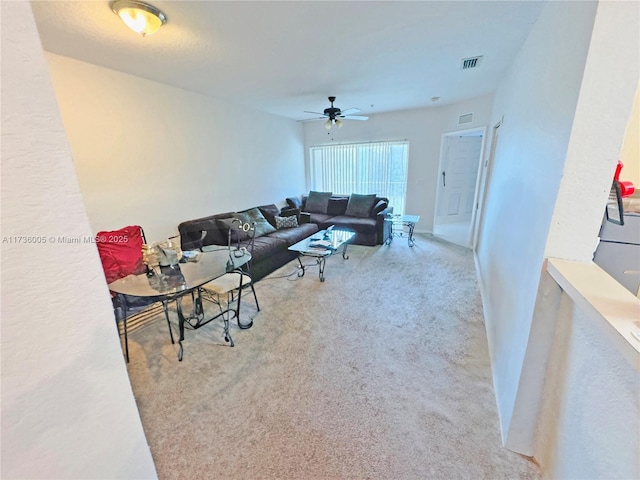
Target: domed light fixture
(140, 17)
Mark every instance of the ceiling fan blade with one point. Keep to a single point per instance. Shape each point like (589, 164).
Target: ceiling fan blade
(349, 111)
(314, 113)
(356, 117)
(312, 119)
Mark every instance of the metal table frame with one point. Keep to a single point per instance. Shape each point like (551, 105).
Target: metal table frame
(338, 237)
(172, 283)
(403, 220)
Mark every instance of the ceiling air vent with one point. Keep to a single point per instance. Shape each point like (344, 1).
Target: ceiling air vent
(466, 118)
(472, 62)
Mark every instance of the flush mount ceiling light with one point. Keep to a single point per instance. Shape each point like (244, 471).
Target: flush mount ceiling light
(140, 17)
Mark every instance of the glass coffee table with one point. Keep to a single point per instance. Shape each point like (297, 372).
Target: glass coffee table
(322, 245)
(396, 223)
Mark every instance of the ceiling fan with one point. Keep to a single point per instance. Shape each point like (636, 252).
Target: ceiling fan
(335, 116)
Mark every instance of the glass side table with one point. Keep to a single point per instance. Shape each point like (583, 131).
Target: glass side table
(396, 226)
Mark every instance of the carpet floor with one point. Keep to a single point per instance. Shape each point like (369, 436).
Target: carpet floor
(380, 372)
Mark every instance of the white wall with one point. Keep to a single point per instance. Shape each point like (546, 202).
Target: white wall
(537, 101)
(155, 155)
(423, 129)
(67, 406)
(630, 154)
(589, 421)
(597, 136)
(564, 392)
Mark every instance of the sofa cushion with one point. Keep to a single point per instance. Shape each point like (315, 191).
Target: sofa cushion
(337, 205)
(294, 202)
(286, 222)
(266, 246)
(360, 205)
(288, 211)
(269, 212)
(317, 202)
(255, 215)
(356, 224)
(322, 220)
(191, 232)
(380, 205)
(294, 235)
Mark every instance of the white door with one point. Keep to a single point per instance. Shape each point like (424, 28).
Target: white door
(456, 193)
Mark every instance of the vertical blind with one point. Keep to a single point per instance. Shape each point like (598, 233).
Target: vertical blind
(376, 167)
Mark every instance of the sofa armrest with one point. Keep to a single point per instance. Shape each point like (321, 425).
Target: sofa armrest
(383, 228)
(304, 218)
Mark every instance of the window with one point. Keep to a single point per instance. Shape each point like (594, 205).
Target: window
(376, 167)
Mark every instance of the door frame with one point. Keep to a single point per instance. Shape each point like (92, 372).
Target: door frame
(457, 133)
(483, 182)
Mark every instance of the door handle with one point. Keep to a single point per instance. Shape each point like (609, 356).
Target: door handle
(444, 177)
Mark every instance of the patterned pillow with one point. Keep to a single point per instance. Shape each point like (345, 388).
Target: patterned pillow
(286, 222)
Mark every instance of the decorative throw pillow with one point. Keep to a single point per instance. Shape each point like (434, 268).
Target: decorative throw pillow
(255, 215)
(269, 212)
(317, 202)
(380, 206)
(286, 222)
(360, 205)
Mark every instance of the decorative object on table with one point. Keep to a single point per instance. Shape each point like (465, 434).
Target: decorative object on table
(169, 251)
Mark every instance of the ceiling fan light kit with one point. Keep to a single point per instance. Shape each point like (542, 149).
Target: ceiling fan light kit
(139, 16)
(330, 123)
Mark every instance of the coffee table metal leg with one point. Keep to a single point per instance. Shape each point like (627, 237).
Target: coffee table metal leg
(411, 241)
(301, 271)
(321, 262)
(344, 252)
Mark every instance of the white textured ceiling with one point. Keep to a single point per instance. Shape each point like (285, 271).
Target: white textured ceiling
(288, 57)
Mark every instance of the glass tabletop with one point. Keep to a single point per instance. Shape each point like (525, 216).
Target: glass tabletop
(321, 243)
(184, 276)
(399, 218)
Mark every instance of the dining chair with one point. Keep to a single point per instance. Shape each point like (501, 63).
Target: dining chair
(240, 238)
(121, 255)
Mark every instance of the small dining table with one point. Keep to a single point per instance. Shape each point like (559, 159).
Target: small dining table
(174, 282)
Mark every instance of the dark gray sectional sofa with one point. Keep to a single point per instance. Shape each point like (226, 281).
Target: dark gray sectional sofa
(270, 250)
(364, 216)
(271, 245)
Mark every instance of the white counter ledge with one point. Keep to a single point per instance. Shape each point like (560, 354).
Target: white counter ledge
(615, 309)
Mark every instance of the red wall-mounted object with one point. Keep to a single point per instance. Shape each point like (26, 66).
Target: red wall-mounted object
(626, 188)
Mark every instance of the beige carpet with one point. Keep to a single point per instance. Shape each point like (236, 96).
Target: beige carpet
(380, 372)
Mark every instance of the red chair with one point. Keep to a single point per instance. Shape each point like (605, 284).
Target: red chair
(121, 255)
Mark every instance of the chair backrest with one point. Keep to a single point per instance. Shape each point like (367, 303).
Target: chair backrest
(121, 252)
(242, 234)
